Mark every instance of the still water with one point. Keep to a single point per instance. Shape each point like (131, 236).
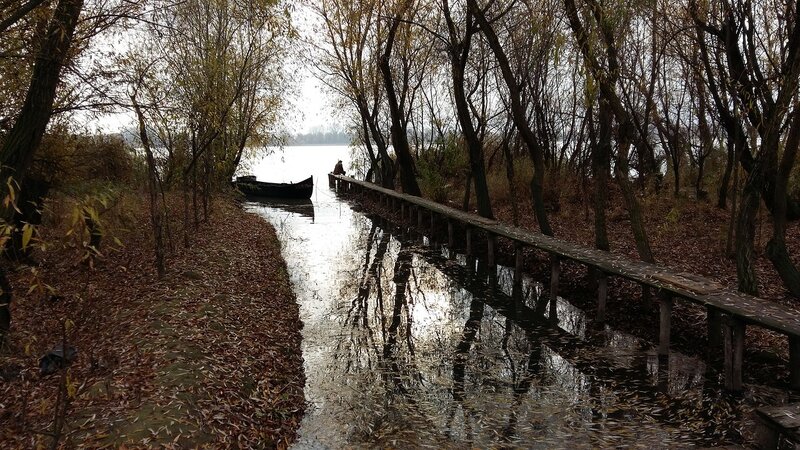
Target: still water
(407, 346)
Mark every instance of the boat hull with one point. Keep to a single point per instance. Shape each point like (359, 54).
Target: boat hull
(252, 188)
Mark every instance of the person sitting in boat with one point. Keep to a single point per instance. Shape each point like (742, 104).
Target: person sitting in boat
(339, 169)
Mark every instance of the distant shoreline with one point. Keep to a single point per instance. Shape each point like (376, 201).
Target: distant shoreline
(321, 144)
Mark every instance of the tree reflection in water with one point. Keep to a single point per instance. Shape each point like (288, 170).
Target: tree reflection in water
(429, 351)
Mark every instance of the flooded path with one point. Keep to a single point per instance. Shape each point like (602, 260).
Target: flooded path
(407, 346)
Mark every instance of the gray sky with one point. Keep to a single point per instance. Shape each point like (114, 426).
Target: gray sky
(308, 105)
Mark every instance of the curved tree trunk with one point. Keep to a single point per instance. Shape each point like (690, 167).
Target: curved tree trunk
(152, 188)
(26, 135)
(384, 166)
(408, 176)
(632, 203)
(519, 117)
(17, 152)
(606, 79)
(458, 50)
(776, 247)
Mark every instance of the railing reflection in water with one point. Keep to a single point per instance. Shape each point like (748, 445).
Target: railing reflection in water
(427, 347)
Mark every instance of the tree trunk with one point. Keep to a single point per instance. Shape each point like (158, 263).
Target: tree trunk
(5, 306)
(467, 191)
(509, 160)
(722, 194)
(29, 200)
(676, 169)
(152, 187)
(195, 209)
(22, 142)
(385, 165)
(776, 247)
(606, 79)
(519, 116)
(474, 145)
(207, 172)
(704, 129)
(632, 203)
(405, 160)
(185, 211)
(459, 53)
(745, 235)
(601, 167)
(374, 169)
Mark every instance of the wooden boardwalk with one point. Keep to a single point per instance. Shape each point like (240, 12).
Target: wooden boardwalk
(775, 422)
(728, 311)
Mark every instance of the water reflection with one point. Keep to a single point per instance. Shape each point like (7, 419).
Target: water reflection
(409, 346)
(301, 207)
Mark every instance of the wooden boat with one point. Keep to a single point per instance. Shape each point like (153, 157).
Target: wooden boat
(253, 188)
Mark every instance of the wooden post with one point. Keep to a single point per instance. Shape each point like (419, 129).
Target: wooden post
(469, 240)
(518, 261)
(663, 374)
(647, 297)
(794, 362)
(602, 294)
(450, 236)
(419, 218)
(714, 330)
(433, 241)
(766, 435)
(491, 243)
(734, 350)
(665, 323)
(403, 211)
(555, 271)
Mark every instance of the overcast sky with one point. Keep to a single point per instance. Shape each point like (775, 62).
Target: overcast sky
(309, 107)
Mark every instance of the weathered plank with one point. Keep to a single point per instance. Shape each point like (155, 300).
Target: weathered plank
(775, 421)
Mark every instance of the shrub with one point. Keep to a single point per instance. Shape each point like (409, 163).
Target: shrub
(444, 160)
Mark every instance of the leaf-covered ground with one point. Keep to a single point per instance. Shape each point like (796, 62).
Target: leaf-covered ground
(210, 356)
